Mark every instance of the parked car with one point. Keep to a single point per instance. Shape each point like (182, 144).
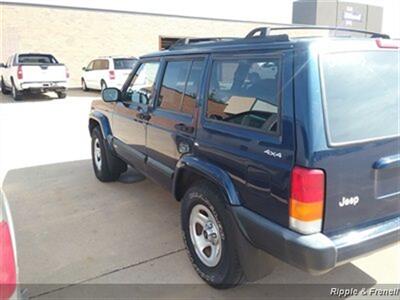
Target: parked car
(277, 145)
(8, 254)
(35, 73)
(103, 72)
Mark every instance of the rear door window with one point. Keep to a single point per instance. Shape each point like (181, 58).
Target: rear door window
(101, 64)
(244, 92)
(361, 95)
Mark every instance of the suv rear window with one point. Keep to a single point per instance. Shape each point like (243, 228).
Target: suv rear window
(361, 91)
(245, 92)
(124, 63)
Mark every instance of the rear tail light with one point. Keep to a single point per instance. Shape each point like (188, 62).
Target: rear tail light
(306, 204)
(20, 73)
(8, 274)
(66, 73)
(385, 43)
(112, 74)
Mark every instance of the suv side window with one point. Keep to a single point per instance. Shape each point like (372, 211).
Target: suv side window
(244, 91)
(104, 64)
(192, 87)
(141, 87)
(173, 85)
(100, 64)
(180, 85)
(90, 66)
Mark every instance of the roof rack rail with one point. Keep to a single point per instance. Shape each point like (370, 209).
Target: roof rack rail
(261, 32)
(189, 41)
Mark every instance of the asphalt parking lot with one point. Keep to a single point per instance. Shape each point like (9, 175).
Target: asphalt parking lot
(72, 229)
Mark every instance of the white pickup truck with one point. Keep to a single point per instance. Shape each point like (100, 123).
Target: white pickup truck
(35, 73)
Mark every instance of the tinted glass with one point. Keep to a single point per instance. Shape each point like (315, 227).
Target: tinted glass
(192, 87)
(245, 92)
(173, 85)
(123, 63)
(362, 95)
(90, 66)
(101, 64)
(141, 88)
(36, 59)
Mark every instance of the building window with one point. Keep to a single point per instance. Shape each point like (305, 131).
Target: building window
(166, 42)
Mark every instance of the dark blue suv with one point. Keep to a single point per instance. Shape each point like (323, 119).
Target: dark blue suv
(276, 147)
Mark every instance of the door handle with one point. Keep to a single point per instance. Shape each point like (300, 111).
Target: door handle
(184, 128)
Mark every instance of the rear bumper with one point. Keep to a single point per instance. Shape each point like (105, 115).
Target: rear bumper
(315, 253)
(44, 86)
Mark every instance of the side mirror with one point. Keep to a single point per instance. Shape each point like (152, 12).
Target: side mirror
(84, 69)
(2, 65)
(111, 95)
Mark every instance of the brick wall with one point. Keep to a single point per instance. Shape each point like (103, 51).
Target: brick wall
(75, 36)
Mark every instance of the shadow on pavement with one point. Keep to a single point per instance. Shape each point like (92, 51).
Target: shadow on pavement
(73, 229)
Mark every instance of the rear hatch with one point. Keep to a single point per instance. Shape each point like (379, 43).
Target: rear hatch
(44, 73)
(41, 68)
(362, 122)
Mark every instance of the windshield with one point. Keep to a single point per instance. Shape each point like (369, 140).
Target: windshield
(124, 63)
(361, 92)
(36, 59)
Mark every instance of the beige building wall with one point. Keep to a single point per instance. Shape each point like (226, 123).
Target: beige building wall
(75, 36)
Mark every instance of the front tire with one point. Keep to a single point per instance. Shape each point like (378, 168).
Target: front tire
(106, 166)
(84, 86)
(206, 228)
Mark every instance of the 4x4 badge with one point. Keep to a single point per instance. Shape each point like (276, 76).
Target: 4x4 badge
(273, 154)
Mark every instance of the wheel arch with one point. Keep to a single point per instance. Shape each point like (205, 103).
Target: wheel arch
(99, 119)
(191, 169)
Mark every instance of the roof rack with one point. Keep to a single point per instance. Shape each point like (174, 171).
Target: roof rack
(261, 32)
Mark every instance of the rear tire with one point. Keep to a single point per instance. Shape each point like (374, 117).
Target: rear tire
(106, 166)
(210, 243)
(17, 95)
(84, 86)
(61, 95)
(4, 89)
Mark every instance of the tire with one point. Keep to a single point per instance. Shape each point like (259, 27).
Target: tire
(103, 85)
(220, 271)
(61, 95)
(84, 86)
(4, 89)
(16, 95)
(106, 166)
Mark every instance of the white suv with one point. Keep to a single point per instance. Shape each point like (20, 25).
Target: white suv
(106, 72)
